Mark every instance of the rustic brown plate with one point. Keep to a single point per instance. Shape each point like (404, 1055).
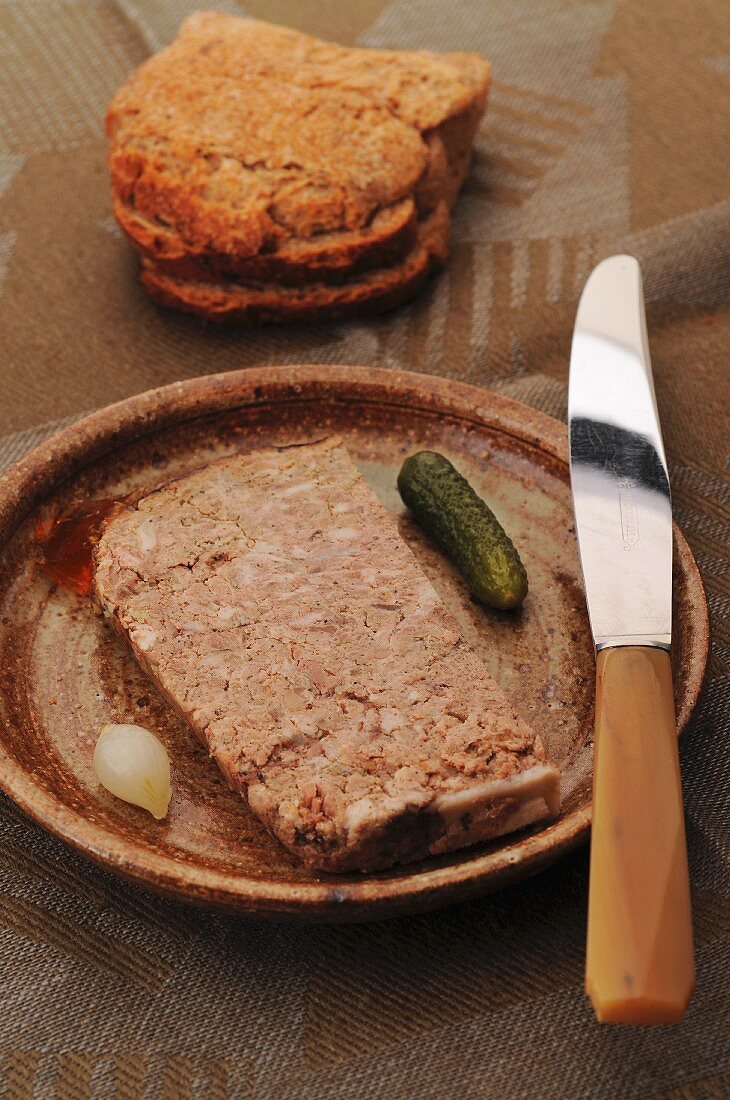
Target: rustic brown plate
(64, 675)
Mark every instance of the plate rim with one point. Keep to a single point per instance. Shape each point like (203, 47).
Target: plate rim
(55, 460)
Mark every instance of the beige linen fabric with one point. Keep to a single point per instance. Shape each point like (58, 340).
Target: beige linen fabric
(606, 130)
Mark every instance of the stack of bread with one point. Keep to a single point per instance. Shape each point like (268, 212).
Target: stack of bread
(264, 175)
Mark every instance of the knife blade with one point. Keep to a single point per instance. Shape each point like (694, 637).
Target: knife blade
(639, 958)
(619, 473)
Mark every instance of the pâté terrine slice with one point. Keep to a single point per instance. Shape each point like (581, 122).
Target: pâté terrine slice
(271, 599)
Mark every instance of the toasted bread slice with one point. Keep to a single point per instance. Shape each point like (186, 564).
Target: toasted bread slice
(442, 95)
(328, 257)
(372, 292)
(271, 162)
(420, 87)
(302, 142)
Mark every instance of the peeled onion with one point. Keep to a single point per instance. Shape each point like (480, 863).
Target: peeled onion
(133, 765)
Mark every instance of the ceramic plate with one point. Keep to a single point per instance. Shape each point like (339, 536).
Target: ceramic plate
(64, 674)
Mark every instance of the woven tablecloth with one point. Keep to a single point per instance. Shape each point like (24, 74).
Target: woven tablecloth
(606, 131)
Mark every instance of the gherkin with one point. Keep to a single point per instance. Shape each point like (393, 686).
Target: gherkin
(465, 528)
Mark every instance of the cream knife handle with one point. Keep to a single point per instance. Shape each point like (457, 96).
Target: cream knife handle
(639, 963)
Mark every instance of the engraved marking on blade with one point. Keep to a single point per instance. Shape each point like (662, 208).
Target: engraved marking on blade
(629, 512)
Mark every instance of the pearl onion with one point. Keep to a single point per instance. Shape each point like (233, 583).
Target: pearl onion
(133, 765)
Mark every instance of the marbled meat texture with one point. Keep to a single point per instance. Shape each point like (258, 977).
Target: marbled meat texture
(271, 599)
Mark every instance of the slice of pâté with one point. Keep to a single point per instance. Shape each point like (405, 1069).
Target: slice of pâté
(271, 599)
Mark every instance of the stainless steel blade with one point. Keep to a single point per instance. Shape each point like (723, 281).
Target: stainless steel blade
(621, 495)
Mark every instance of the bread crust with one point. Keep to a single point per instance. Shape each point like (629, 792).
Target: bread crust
(327, 258)
(375, 291)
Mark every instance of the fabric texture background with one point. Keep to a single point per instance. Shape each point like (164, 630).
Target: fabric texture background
(606, 131)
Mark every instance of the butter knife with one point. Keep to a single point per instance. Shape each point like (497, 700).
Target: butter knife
(639, 958)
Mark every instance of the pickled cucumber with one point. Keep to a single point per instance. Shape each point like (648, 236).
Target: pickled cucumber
(465, 528)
